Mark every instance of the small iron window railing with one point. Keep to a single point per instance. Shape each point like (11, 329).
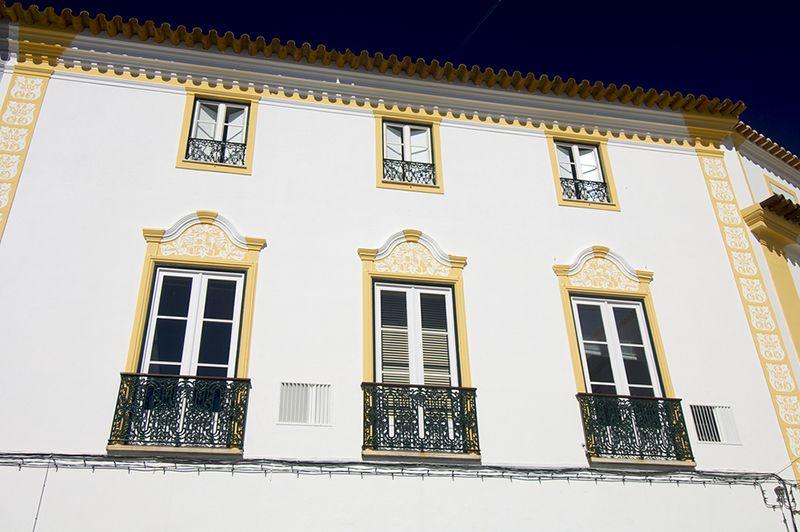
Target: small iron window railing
(215, 151)
(408, 172)
(634, 427)
(579, 189)
(401, 417)
(180, 411)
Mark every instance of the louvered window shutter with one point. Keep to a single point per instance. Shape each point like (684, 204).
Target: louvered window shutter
(394, 337)
(435, 341)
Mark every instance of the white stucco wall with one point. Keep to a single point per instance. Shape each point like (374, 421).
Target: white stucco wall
(99, 170)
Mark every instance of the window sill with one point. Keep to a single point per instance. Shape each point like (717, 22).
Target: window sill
(676, 464)
(213, 167)
(420, 456)
(396, 185)
(589, 204)
(161, 450)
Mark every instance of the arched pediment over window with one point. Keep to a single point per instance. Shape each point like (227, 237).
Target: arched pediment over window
(204, 235)
(599, 268)
(412, 252)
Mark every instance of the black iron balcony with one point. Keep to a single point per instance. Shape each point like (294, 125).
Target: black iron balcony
(180, 411)
(408, 172)
(401, 417)
(578, 189)
(640, 428)
(215, 151)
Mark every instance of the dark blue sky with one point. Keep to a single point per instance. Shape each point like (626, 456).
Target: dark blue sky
(717, 49)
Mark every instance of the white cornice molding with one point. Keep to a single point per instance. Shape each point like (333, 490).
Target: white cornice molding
(193, 218)
(592, 252)
(276, 75)
(398, 238)
(767, 161)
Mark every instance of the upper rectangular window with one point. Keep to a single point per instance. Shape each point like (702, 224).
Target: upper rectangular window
(615, 347)
(218, 133)
(581, 173)
(408, 154)
(193, 328)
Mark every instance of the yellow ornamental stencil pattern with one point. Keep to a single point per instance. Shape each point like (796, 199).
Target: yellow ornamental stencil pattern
(18, 117)
(760, 315)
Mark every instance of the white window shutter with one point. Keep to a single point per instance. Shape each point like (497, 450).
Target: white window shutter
(205, 120)
(235, 123)
(393, 142)
(394, 337)
(420, 142)
(566, 168)
(435, 341)
(590, 167)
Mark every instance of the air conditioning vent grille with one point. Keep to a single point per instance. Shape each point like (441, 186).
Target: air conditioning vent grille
(305, 404)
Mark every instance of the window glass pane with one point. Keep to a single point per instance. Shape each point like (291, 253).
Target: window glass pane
(393, 142)
(207, 112)
(168, 340)
(635, 365)
(566, 168)
(236, 116)
(642, 392)
(420, 145)
(393, 309)
(589, 168)
(164, 369)
(628, 325)
(591, 321)
(604, 388)
(212, 371)
(215, 343)
(174, 300)
(434, 311)
(234, 134)
(598, 363)
(220, 296)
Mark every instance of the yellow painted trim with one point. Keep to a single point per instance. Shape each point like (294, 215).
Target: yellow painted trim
(605, 166)
(157, 255)
(409, 117)
(194, 452)
(790, 194)
(600, 283)
(671, 464)
(774, 233)
(421, 455)
(18, 117)
(372, 271)
(224, 95)
(767, 337)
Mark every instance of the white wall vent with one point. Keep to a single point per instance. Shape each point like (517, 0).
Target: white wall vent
(305, 404)
(715, 424)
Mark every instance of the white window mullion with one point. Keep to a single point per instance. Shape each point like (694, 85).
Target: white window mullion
(415, 359)
(406, 143)
(615, 351)
(576, 160)
(221, 117)
(191, 345)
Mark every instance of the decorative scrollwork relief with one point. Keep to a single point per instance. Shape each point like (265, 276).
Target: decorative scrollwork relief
(412, 258)
(205, 241)
(721, 190)
(789, 408)
(744, 263)
(714, 167)
(752, 290)
(602, 273)
(780, 377)
(27, 88)
(769, 345)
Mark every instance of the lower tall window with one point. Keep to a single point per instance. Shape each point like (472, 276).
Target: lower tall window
(581, 173)
(186, 394)
(415, 402)
(625, 413)
(194, 323)
(616, 348)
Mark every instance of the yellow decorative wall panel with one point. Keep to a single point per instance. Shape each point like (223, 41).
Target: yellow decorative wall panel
(18, 116)
(771, 347)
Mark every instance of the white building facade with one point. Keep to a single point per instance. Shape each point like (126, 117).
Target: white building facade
(249, 284)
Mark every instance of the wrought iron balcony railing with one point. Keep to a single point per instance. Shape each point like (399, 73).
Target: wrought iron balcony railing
(578, 189)
(401, 417)
(641, 428)
(215, 151)
(180, 411)
(408, 172)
